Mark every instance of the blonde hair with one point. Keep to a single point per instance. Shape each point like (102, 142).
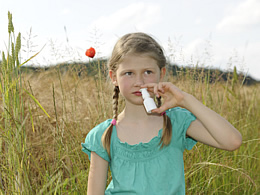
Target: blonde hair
(136, 43)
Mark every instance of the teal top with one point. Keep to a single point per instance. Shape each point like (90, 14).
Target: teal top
(144, 168)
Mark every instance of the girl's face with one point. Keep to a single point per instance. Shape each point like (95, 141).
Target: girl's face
(134, 71)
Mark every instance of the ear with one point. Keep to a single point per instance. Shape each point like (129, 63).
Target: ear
(113, 78)
(163, 72)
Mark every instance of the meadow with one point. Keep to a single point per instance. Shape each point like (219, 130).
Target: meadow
(46, 114)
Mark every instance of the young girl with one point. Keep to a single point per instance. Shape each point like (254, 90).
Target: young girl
(145, 151)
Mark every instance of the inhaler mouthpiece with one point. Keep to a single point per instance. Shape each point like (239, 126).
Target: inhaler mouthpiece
(149, 103)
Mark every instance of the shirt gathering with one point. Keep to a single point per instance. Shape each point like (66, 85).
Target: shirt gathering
(145, 168)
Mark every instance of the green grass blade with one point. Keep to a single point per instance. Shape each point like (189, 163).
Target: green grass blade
(37, 102)
(31, 57)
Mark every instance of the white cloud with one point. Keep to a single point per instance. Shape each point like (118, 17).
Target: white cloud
(245, 16)
(198, 21)
(252, 59)
(195, 45)
(138, 16)
(200, 51)
(65, 11)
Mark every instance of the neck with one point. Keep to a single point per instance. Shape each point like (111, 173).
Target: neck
(136, 114)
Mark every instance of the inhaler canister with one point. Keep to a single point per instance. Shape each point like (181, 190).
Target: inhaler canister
(149, 103)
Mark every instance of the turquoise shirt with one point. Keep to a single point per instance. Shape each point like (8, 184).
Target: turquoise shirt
(144, 168)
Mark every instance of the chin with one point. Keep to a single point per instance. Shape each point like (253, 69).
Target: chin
(135, 103)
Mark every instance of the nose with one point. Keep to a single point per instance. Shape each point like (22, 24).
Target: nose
(139, 81)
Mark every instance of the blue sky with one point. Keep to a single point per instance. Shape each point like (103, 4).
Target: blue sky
(211, 33)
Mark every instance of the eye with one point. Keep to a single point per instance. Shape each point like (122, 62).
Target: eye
(128, 73)
(148, 72)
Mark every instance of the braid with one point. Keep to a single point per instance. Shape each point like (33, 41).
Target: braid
(167, 127)
(167, 131)
(106, 137)
(115, 102)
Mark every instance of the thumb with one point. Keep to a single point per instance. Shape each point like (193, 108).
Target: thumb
(159, 110)
(165, 106)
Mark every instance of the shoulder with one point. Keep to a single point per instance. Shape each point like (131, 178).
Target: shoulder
(98, 130)
(180, 116)
(93, 141)
(102, 125)
(179, 113)
(181, 119)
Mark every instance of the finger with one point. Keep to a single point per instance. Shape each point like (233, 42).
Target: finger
(160, 94)
(155, 91)
(161, 87)
(165, 106)
(158, 110)
(151, 87)
(148, 87)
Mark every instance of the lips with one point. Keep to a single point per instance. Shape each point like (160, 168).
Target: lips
(137, 93)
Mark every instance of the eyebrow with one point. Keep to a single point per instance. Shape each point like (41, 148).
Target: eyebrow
(144, 68)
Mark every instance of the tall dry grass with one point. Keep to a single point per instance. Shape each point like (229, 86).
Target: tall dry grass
(42, 155)
(76, 104)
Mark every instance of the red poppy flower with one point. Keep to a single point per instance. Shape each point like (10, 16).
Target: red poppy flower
(90, 52)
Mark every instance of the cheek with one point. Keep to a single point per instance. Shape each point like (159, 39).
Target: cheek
(152, 79)
(125, 87)
(124, 84)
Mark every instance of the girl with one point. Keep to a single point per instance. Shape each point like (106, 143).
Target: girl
(145, 151)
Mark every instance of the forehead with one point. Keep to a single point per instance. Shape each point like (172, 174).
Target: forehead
(137, 61)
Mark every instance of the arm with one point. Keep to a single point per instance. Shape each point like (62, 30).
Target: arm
(97, 177)
(209, 127)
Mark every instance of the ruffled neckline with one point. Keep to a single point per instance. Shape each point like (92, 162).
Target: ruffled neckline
(142, 145)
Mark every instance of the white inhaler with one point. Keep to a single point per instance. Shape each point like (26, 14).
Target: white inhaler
(149, 103)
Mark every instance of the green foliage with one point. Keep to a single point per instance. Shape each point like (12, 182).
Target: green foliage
(10, 24)
(14, 154)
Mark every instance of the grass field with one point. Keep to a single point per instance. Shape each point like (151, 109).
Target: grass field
(46, 115)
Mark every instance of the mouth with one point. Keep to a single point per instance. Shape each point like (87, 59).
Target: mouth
(137, 93)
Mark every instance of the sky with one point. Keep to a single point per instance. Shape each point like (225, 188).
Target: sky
(208, 33)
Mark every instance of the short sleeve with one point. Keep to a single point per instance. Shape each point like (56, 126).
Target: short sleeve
(181, 119)
(93, 141)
